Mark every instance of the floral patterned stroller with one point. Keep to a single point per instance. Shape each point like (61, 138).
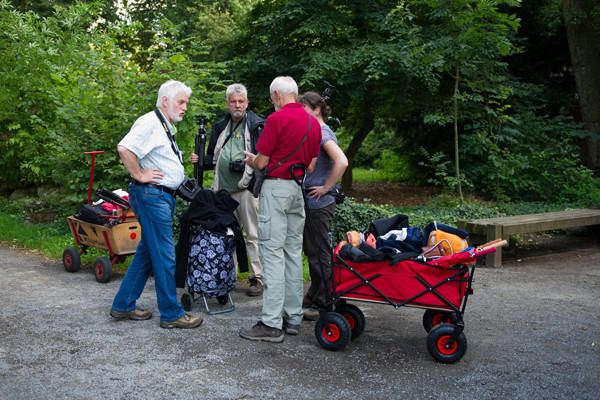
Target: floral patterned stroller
(209, 236)
(211, 270)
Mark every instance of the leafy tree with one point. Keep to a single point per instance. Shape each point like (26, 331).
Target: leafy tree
(466, 39)
(352, 44)
(70, 89)
(585, 58)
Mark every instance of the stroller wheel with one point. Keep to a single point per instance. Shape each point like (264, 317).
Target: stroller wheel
(433, 318)
(103, 269)
(187, 301)
(222, 299)
(340, 332)
(437, 344)
(355, 318)
(71, 259)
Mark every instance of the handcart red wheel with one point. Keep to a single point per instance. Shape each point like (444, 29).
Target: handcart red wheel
(441, 346)
(355, 318)
(103, 269)
(336, 335)
(71, 259)
(433, 318)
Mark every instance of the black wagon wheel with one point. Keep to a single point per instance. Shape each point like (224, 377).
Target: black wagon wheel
(71, 259)
(222, 299)
(433, 318)
(437, 344)
(355, 318)
(340, 332)
(102, 269)
(187, 301)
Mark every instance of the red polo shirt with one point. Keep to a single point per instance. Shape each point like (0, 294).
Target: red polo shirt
(283, 133)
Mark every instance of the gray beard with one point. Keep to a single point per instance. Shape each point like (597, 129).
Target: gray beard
(237, 115)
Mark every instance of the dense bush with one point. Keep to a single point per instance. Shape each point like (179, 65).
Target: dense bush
(68, 89)
(354, 216)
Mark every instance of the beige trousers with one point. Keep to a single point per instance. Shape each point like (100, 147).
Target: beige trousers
(247, 216)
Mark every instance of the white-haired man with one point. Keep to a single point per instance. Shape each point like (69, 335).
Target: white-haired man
(291, 137)
(237, 132)
(152, 158)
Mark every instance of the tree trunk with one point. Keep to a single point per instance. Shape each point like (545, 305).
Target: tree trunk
(366, 127)
(583, 48)
(456, 147)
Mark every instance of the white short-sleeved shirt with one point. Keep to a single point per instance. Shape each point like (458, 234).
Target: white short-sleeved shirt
(148, 140)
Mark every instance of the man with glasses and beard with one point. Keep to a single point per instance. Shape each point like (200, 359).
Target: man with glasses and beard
(152, 158)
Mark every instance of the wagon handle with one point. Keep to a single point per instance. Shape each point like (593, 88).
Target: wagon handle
(93, 153)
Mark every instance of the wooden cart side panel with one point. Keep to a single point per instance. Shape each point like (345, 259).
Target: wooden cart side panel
(124, 238)
(121, 239)
(89, 234)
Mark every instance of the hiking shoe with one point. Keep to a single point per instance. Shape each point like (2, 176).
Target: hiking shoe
(255, 289)
(262, 332)
(306, 302)
(291, 329)
(138, 314)
(185, 322)
(312, 314)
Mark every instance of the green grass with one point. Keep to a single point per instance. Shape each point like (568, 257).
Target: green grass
(49, 239)
(362, 175)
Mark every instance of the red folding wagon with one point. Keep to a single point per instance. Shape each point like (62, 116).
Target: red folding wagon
(441, 287)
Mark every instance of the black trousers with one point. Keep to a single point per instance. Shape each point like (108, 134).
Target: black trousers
(317, 247)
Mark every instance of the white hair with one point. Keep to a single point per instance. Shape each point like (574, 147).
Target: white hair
(170, 89)
(236, 88)
(284, 85)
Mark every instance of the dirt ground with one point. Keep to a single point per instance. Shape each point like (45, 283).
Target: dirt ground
(533, 331)
(395, 194)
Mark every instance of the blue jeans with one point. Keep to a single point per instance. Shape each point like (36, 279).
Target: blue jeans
(154, 210)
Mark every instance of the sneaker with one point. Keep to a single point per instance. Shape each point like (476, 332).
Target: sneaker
(255, 289)
(312, 314)
(306, 302)
(262, 332)
(185, 322)
(291, 329)
(138, 314)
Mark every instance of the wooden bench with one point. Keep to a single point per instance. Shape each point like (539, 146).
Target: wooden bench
(488, 229)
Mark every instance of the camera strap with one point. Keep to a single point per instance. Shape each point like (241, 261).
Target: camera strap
(232, 129)
(168, 132)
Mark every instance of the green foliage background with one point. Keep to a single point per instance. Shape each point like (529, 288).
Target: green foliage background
(408, 76)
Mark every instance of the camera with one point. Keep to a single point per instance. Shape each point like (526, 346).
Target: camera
(236, 166)
(188, 189)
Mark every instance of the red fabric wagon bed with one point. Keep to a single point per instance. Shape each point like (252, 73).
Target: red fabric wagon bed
(404, 283)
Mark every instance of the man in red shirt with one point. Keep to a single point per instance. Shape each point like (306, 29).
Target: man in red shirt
(291, 136)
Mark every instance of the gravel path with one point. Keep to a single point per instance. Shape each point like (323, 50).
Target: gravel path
(533, 331)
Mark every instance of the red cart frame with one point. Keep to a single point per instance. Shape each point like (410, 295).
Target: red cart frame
(442, 292)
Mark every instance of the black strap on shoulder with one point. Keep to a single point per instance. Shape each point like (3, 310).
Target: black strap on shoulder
(168, 132)
(232, 129)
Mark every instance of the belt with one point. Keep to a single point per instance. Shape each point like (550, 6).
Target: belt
(276, 177)
(154, 185)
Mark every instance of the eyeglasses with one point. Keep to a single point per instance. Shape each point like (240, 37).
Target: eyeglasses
(270, 100)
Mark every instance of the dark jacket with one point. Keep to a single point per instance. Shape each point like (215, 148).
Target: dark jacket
(214, 213)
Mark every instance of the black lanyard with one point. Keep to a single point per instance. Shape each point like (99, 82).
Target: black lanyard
(168, 132)
(232, 129)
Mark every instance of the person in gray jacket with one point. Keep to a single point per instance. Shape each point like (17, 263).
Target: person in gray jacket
(239, 130)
